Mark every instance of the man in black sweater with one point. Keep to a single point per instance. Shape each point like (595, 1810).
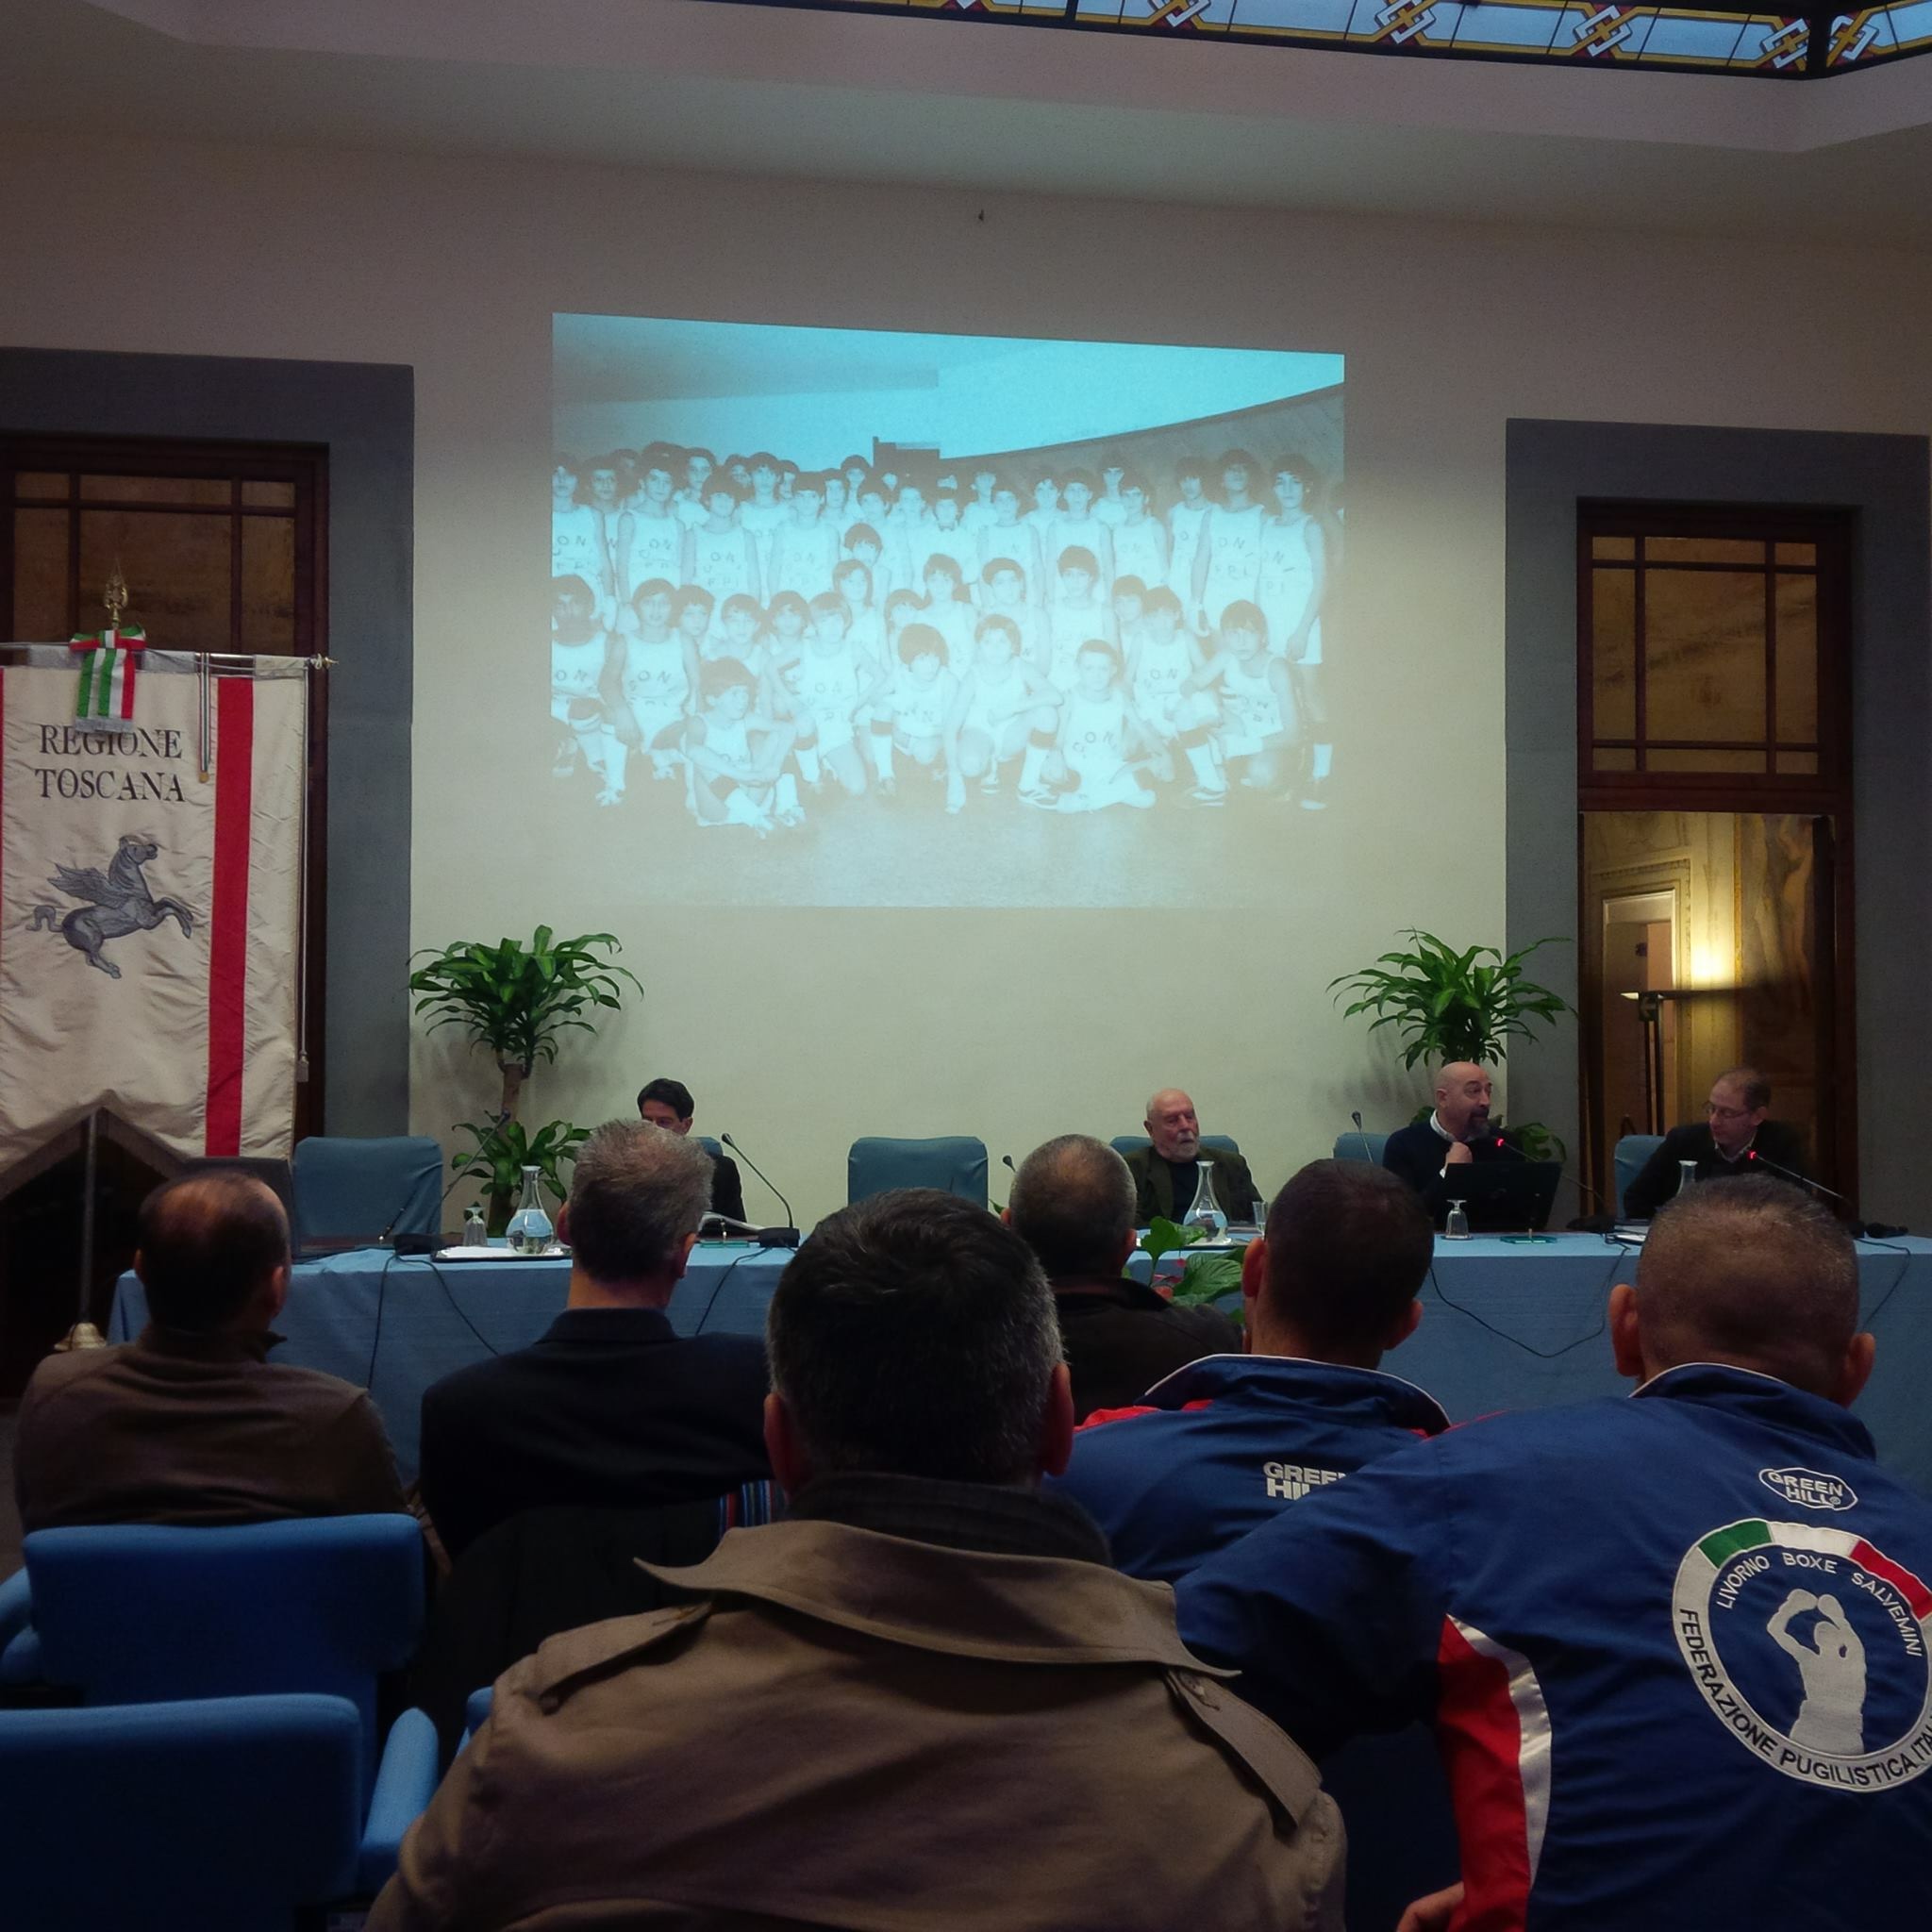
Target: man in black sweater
(1736, 1138)
(668, 1103)
(610, 1407)
(1072, 1204)
(1454, 1136)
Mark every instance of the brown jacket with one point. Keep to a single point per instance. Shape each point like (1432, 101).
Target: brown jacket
(196, 1429)
(860, 1730)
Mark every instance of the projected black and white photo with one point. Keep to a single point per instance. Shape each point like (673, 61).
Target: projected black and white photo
(941, 620)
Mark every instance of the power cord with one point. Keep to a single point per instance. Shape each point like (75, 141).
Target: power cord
(1547, 1355)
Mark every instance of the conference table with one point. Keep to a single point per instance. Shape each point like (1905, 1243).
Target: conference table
(1507, 1323)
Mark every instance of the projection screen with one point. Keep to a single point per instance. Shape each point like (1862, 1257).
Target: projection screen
(854, 618)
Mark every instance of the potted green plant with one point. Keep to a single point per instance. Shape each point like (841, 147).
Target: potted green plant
(1457, 1006)
(517, 1001)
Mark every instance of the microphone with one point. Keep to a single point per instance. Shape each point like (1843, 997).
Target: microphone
(1790, 1173)
(1007, 1161)
(1361, 1135)
(771, 1236)
(418, 1243)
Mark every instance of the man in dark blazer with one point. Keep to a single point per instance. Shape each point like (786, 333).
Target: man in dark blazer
(1165, 1175)
(668, 1103)
(1736, 1138)
(1072, 1204)
(610, 1407)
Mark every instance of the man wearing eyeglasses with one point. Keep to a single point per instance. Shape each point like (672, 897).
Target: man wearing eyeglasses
(1736, 1138)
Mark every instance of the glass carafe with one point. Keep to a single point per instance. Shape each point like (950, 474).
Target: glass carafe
(1686, 1174)
(1206, 1212)
(529, 1227)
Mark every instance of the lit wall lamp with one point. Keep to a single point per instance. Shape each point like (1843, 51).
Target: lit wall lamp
(1650, 1012)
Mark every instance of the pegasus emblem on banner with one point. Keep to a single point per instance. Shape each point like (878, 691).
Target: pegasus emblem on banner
(118, 902)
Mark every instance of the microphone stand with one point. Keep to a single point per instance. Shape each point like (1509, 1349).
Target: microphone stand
(785, 1236)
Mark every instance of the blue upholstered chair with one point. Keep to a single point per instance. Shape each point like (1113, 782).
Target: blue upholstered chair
(140, 1613)
(1125, 1145)
(1632, 1151)
(714, 1148)
(1354, 1145)
(954, 1163)
(235, 1812)
(345, 1188)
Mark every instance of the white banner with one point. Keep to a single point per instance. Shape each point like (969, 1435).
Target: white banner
(150, 918)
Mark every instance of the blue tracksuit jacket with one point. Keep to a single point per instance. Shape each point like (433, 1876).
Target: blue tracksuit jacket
(1676, 1648)
(1226, 1443)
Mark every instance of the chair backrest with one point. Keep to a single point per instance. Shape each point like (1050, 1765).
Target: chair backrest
(344, 1188)
(1125, 1145)
(1354, 1145)
(234, 1811)
(1632, 1151)
(956, 1163)
(714, 1148)
(142, 1613)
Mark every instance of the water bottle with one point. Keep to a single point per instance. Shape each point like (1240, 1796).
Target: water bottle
(1686, 1174)
(1455, 1229)
(1206, 1213)
(476, 1231)
(529, 1227)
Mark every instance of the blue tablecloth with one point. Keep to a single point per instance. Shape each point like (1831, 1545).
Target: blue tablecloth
(1505, 1325)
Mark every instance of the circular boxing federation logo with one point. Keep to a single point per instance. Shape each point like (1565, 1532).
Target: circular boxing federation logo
(1812, 1649)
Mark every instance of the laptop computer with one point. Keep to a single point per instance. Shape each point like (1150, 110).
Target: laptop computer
(1501, 1196)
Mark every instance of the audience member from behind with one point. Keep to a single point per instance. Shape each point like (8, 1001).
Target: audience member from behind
(1693, 1625)
(1224, 1445)
(609, 1407)
(1072, 1204)
(924, 1698)
(1167, 1172)
(192, 1422)
(1736, 1133)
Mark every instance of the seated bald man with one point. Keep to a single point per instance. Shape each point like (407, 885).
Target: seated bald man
(1674, 1645)
(191, 1423)
(1454, 1134)
(1165, 1174)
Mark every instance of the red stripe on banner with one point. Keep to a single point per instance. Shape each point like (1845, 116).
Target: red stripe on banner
(227, 970)
(127, 684)
(1481, 1743)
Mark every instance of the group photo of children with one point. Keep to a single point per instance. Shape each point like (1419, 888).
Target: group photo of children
(767, 639)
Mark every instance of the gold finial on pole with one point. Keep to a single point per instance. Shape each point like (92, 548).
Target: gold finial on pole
(114, 597)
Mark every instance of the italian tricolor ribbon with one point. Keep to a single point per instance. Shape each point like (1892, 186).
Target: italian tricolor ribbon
(107, 672)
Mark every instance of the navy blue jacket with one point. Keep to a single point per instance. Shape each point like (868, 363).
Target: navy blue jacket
(1226, 1444)
(1676, 1648)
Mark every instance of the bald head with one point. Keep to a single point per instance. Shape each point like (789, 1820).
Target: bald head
(1072, 1204)
(1173, 1126)
(1752, 1273)
(210, 1249)
(1462, 1096)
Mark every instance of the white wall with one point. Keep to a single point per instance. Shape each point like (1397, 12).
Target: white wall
(801, 1029)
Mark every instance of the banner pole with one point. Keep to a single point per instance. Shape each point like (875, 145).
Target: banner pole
(87, 1220)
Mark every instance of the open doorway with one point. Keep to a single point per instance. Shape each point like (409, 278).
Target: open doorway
(1709, 941)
